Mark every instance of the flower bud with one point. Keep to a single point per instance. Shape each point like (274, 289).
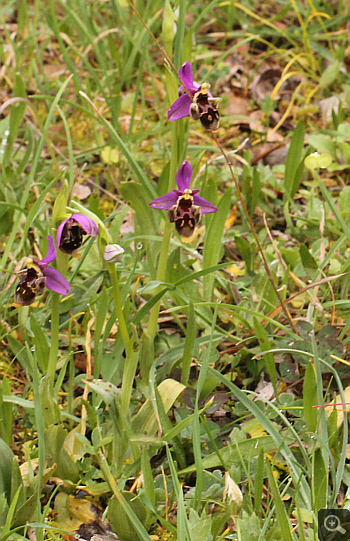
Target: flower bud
(233, 495)
(112, 253)
(168, 27)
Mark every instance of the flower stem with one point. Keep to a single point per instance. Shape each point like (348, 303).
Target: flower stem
(119, 309)
(55, 315)
(164, 251)
(164, 254)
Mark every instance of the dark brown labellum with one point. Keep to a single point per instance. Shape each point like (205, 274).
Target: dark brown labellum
(71, 238)
(185, 215)
(204, 108)
(210, 120)
(32, 284)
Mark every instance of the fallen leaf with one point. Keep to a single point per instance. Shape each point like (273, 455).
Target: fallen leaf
(231, 220)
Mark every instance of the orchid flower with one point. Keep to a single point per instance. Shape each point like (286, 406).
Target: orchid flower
(69, 237)
(184, 205)
(195, 100)
(37, 275)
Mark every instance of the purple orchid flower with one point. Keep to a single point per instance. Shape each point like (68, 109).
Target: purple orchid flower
(184, 205)
(70, 232)
(37, 275)
(195, 100)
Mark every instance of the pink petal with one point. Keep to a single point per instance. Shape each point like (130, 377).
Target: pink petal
(88, 224)
(186, 76)
(183, 176)
(55, 281)
(165, 202)
(59, 232)
(204, 205)
(180, 108)
(51, 253)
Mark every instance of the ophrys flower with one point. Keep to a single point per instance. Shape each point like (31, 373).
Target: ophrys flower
(70, 232)
(184, 205)
(195, 100)
(37, 275)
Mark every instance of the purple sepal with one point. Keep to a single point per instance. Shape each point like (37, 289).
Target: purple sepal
(204, 205)
(55, 281)
(183, 176)
(186, 76)
(180, 108)
(59, 233)
(88, 224)
(165, 202)
(51, 253)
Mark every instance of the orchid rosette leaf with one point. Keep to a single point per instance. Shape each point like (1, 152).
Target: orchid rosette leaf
(184, 205)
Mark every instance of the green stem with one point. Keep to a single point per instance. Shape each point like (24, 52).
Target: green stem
(119, 309)
(163, 258)
(55, 315)
(164, 251)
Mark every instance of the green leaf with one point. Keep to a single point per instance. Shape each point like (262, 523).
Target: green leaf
(106, 390)
(16, 117)
(330, 73)
(319, 481)
(120, 522)
(169, 26)
(56, 453)
(6, 411)
(60, 205)
(343, 224)
(292, 175)
(306, 258)
(50, 410)
(248, 527)
(25, 512)
(148, 476)
(259, 481)
(213, 242)
(199, 526)
(136, 196)
(42, 349)
(344, 201)
(145, 421)
(322, 143)
(6, 457)
(232, 454)
(245, 251)
(189, 344)
(256, 191)
(280, 509)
